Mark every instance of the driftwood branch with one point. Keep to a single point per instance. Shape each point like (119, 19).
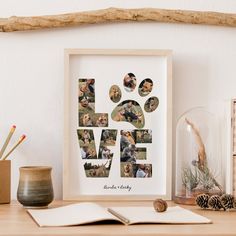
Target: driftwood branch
(112, 15)
(202, 161)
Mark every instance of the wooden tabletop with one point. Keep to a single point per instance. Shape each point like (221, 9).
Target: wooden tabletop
(14, 220)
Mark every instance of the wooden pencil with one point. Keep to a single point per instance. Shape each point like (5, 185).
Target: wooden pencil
(7, 140)
(21, 139)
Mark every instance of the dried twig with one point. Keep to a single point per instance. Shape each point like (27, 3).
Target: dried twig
(112, 15)
(202, 161)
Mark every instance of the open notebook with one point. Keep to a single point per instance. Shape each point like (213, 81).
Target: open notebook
(85, 213)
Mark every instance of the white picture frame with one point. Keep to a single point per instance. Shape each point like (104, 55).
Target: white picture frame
(108, 67)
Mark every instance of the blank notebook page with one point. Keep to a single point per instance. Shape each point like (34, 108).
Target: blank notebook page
(173, 215)
(74, 214)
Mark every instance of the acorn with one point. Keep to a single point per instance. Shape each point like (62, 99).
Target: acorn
(227, 201)
(160, 205)
(215, 203)
(202, 200)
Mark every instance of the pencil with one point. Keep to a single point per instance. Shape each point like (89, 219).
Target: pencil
(21, 139)
(119, 216)
(7, 140)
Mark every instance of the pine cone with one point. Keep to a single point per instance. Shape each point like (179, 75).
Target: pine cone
(215, 203)
(227, 201)
(202, 200)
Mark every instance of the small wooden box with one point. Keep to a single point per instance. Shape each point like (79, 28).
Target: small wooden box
(5, 181)
(234, 176)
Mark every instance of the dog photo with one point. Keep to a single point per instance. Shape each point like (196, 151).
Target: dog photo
(97, 169)
(127, 137)
(126, 170)
(145, 87)
(142, 170)
(100, 120)
(143, 136)
(85, 136)
(86, 95)
(85, 120)
(86, 105)
(86, 88)
(93, 119)
(129, 82)
(129, 111)
(87, 144)
(105, 153)
(88, 152)
(151, 104)
(115, 93)
(129, 154)
(130, 170)
(141, 153)
(108, 137)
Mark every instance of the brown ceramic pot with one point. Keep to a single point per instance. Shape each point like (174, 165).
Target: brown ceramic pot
(35, 186)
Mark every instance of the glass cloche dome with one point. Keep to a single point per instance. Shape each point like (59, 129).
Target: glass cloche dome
(198, 156)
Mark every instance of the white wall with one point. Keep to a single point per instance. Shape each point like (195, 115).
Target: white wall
(32, 69)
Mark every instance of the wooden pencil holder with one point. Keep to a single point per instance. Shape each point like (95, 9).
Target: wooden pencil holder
(5, 181)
